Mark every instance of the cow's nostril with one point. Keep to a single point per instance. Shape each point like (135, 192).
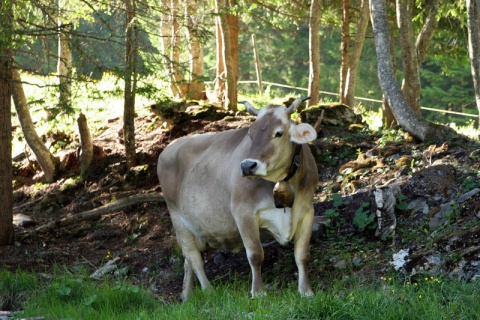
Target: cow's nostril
(248, 167)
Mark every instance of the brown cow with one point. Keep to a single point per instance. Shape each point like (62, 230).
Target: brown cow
(219, 191)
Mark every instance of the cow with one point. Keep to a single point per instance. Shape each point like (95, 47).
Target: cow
(218, 188)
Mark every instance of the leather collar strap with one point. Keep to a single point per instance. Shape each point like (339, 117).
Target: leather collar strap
(295, 162)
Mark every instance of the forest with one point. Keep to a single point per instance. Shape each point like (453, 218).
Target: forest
(93, 91)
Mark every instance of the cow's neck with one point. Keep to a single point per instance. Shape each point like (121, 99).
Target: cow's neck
(295, 162)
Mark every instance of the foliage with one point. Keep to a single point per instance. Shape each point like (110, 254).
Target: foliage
(364, 217)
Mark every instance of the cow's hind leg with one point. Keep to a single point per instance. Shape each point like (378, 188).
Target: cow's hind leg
(193, 263)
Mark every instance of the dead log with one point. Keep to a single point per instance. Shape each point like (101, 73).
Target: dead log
(98, 212)
(86, 153)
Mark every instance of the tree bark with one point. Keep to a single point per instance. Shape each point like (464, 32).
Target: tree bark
(177, 75)
(230, 43)
(428, 30)
(45, 158)
(233, 22)
(473, 18)
(196, 86)
(86, 152)
(166, 44)
(6, 175)
(356, 53)
(411, 74)
(130, 80)
(64, 67)
(388, 118)
(220, 79)
(406, 117)
(344, 48)
(314, 53)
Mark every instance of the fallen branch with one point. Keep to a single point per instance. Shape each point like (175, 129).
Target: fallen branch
(98, 212)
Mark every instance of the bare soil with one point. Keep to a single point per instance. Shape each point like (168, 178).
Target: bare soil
(142, 237)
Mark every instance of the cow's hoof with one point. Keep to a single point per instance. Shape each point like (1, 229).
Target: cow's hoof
(259, 294)
(307, 294)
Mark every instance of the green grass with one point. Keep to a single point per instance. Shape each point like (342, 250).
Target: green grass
(67, 296)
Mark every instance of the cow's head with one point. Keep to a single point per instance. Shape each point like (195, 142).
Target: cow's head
(273, 139)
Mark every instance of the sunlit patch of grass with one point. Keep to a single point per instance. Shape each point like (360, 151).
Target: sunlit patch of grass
(469, 130)
(76, 296)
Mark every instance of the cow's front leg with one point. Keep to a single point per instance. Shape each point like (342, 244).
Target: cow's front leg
(302, 252)
(250, 234)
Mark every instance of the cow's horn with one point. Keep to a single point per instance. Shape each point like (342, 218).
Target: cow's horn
(250, 109)
(295, 104)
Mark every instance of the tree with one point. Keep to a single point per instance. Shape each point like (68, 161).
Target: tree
(220, 79)
(6, 189)
(473, 18)
(45, 158)
(314, 52)
(166, 40)
(130, 84)
(405, 116)
(344, 48)
(411, 78)
(196, 86)
(64, 65)
(228, 23)
(351, 74)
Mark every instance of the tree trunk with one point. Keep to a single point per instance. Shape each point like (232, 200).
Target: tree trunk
(64, 65)
(6, 175)
(219, 90)
(411, 74)
(86, 152)
(196, 86)
(428, 30)
(177, 75)
(230, 45)
(314, 52)
(473, 18)
(233, 22)
(388, 118)
(45, 158)
(356, 53)
(130, 79)
(406, 117)
(344, 48)
(166, 44)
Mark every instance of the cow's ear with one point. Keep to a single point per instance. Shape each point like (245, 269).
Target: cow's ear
(302, 133)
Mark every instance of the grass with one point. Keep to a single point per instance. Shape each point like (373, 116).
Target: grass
(69, 296)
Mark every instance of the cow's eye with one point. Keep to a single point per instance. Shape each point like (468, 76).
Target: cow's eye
(278, 134)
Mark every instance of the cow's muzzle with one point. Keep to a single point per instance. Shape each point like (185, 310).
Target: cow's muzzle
(248, 167)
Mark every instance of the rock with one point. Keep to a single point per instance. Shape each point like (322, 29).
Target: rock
(357, 262)
(441, 216)
(468, 195)
(399, 259)
(419, 207)
(342, 265)
(434, 183)
(121, 272)
(385, 201)
(22, 220)
(333, 115)
(107, 268)
(435, 264)
(458, 273)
